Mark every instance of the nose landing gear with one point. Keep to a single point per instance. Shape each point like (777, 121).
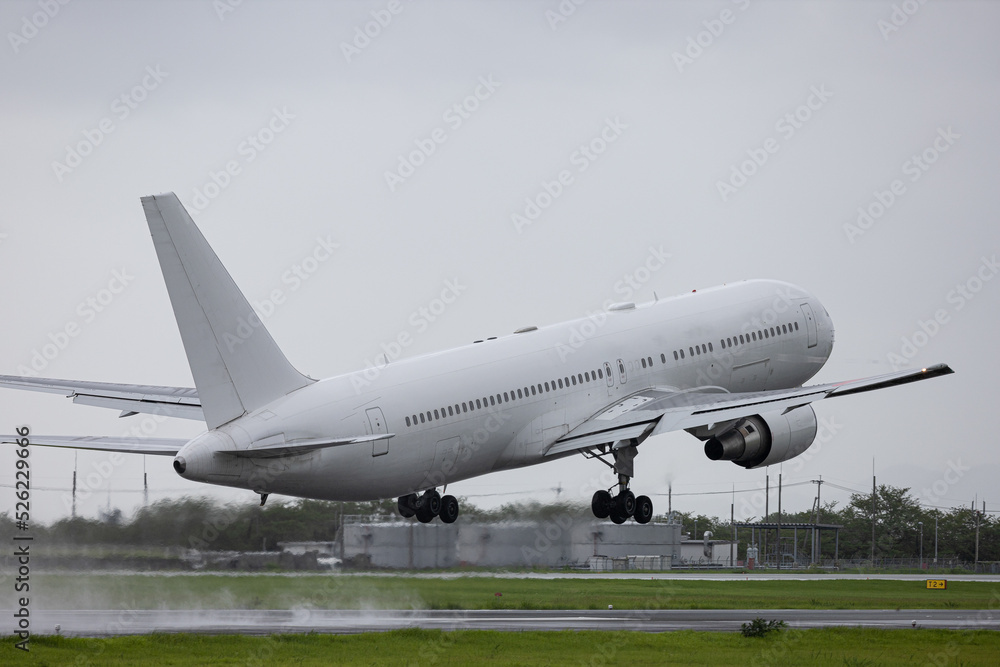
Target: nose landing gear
(428, 505)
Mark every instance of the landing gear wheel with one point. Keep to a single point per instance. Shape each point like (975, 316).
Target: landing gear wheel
(407, 505)
(600, 505)
(431, 500)
(625, 504)
(643, 509)
(424, 514)
(617, 516)
(449, 509)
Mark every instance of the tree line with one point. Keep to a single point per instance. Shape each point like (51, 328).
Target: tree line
(201, 523)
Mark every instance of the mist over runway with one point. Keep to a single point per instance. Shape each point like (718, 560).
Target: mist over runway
(106, 623)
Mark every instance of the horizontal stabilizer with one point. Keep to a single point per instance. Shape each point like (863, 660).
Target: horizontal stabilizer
(180, 402)
(293, 447)
(155, 446)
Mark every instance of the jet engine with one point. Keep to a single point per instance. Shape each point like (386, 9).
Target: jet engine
(763, 440)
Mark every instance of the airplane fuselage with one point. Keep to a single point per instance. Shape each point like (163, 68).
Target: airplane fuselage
(500, 403)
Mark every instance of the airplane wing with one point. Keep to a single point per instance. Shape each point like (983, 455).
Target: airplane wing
(131, 399)
(156, 446)
(660, 410)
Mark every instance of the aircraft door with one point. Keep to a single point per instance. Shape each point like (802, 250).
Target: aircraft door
(377, 423)
(807, 311)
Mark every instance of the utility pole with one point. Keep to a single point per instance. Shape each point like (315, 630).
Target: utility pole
(779, 522)
(767, 511)
(74, 483)
(978, 515)
(817, 539)
(935, 537)
(921, 524)
(873, 512)
(732, 527)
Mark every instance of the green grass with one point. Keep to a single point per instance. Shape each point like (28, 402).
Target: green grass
(431, 647)
(264, 591)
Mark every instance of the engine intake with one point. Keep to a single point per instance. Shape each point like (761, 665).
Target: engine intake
(763, 440)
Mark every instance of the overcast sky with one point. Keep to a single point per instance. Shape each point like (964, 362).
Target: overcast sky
(740, 138)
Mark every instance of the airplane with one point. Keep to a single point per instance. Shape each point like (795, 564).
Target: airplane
(726, 364)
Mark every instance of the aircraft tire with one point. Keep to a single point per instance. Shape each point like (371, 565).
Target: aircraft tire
(407, 505)
(600, 505)
(643, 509)
(449, 509)
(625, 503)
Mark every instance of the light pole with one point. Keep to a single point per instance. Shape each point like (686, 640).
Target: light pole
(935, 540)
(921, 524)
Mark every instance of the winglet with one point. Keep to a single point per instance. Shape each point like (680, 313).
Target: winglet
(237, 366)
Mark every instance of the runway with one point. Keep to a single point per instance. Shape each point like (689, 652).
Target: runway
(103, 623)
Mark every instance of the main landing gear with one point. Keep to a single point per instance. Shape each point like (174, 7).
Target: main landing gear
(428, 505)
(624, 505)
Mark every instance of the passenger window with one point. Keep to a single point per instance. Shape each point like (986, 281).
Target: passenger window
(579, 378)
(691, 351)
(546, 386)
(710, 349)
(650, 360)
(586, 376)
(451, 413)
(407, 421)
(479, 405)
(643, 363)
(505, 398)
(682, 354)
(436, 415)
(675, 355)
(465, 406)
(796, 326)
(663, 358)
(499, 399)
(421, 417)
(492, 401)
(560, 383)
(600, 375)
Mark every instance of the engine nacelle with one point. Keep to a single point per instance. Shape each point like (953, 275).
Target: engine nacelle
(763, 440)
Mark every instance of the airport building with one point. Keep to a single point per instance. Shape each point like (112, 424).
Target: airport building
(561, 541)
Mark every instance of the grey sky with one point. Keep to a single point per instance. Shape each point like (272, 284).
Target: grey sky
(329, 127)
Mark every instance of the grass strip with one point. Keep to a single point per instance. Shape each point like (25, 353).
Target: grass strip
(835, 646)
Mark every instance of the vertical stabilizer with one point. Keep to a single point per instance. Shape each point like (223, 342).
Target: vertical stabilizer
(237, 366)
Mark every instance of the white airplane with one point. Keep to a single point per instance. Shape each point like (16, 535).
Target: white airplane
(726, 364)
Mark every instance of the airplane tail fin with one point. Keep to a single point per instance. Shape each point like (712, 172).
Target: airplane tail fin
(237, 366)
